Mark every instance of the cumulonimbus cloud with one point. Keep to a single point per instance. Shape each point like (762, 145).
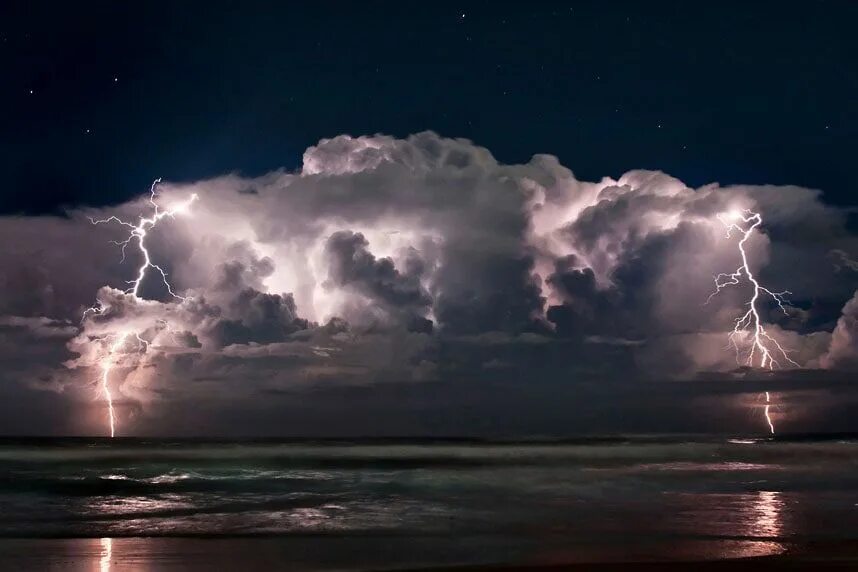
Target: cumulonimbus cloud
(394, 260)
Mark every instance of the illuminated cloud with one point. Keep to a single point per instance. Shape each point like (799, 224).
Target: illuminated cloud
(419, 260)
(843, 351)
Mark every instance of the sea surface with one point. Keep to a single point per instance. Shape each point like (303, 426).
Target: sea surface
(411, 503)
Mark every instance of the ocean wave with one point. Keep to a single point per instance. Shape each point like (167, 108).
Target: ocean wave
(305, 488)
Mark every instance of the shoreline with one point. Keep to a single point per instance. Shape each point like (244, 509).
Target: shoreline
(404, 554)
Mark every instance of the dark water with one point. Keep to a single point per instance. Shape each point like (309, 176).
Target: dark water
(751, 496)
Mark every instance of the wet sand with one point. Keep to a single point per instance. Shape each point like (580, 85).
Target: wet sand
(391, 553)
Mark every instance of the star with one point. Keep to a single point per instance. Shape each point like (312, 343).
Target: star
(31, 92)
(115, 79)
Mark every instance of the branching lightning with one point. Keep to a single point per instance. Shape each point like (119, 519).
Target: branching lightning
(137, 235)
(763, 347)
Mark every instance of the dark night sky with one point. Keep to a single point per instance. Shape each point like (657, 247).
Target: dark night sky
(101, 99)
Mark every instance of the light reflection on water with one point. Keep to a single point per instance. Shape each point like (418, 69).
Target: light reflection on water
(766, 520)
(598, 502)
(106, 554)
(698, 526)
(751, 523)
(754, 516)
(119, 506)
(763, 519)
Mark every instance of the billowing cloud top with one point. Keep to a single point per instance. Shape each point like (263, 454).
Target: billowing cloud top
(385, 263)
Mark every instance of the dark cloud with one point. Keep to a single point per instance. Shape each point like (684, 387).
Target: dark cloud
(264, 318)
(485, 292)
(842, 261)
(587, 310)
(400, 295)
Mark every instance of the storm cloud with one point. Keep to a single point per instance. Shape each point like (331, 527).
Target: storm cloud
(386, 264)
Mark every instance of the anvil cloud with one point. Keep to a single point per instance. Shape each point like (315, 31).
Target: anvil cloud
(387, 266)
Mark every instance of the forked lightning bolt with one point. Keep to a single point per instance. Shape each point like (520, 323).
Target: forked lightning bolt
(763, 347)
(137, 235)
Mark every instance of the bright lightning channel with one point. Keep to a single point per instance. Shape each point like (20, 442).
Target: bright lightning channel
(139, 232)
(766, 412)
(138, 235)
(762, 346)
(106, 366)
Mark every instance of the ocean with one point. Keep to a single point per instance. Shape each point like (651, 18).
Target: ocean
(404, 503)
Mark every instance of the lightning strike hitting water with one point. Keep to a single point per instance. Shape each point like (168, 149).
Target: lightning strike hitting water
(762, 346)
(137, 233)
(106, 367)
(766, 412)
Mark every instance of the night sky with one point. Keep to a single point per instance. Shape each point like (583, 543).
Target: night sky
(102, 98)
(388, 218)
